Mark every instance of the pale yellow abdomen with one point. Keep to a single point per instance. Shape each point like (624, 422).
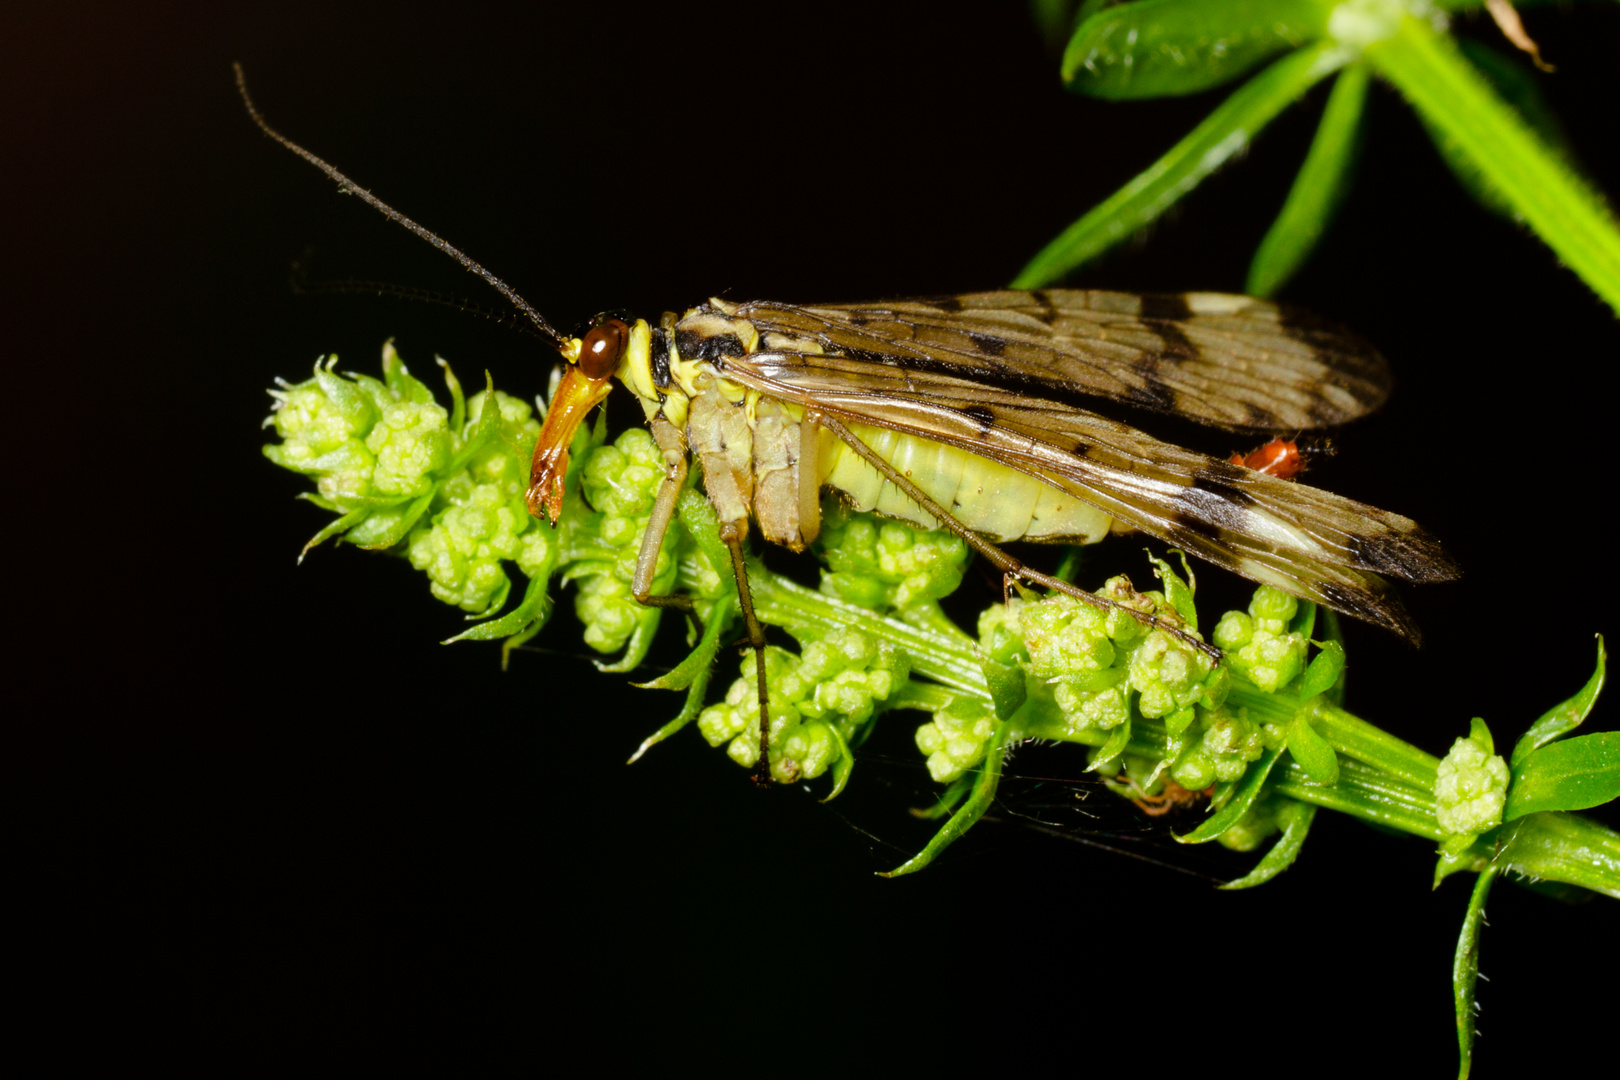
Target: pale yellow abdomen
(993, 500)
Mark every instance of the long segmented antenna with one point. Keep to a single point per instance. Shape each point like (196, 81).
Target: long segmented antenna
(349, 187)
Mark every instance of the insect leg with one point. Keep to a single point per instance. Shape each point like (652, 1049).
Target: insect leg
(1008, 565)
(652, 541)
(733, 536)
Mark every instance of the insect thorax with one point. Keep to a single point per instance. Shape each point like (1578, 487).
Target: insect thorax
(755, 447)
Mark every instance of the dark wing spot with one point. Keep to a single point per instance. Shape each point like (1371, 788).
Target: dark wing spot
(986, 419)
(1195, 525)
(1152, 393)
(949, 304)
(1164, 306)
(988, 343)
(1040, 297)
(857, 319)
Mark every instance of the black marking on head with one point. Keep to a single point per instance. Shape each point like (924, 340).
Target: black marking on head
(988, 344)
(711, 347)
(658, 356)
(985, 418)
(949, 304)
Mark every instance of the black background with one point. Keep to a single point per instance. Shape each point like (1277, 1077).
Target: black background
(258, 803)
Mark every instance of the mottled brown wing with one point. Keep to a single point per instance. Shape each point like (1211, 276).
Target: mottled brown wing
(1306, 541)
(1227, 361)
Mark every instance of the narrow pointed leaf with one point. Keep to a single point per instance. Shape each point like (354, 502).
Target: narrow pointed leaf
(1243, 796)
(1465, 971)
(1296, 818)
(1224, 133)
(1312, 752)
(983, 794)
(1318, 188)
(534, 607)
(1564, 717)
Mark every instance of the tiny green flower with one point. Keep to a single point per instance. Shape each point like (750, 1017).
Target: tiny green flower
(955, 739)
(410, 441)
(1259, 644)
(1470, 786)
(819, 701)
(887, 565)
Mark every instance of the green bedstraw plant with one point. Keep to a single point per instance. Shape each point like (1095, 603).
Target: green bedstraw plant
(1263, 734)
(1262, 737)
(1481, 107)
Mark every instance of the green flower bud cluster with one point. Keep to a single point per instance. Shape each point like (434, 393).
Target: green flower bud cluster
(821, 700)
(620, 481)
(364, 441)
(955, 739)
(884, 565)
(1470, 787)
(1259, 644)
(1095, 659)
(1102, 668)
(484, 519)
(446, 485)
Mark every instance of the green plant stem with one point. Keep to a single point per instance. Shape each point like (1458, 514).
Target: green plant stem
(1381, 778)
(1433, 75)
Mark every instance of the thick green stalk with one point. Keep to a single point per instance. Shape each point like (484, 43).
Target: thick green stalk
(1433, 75)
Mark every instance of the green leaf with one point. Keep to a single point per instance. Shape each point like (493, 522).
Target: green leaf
(1007, 686)
(1296, 818)
(1176, 591)
(1112, 747)
(1465, 970)
(1223, 134)
(701, 658)
(1158, 48)
(983, 794)
(1570, 774)
(535, 606)
(1429, 70)
(382, 530)
(1243, 796)
(1566, 716)
(842, 766)
(1324, 671)
(487, 428)
(458, 400)
(1318, 188)
(1311, 751)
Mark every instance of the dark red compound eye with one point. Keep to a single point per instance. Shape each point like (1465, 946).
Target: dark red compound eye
(600, 352)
